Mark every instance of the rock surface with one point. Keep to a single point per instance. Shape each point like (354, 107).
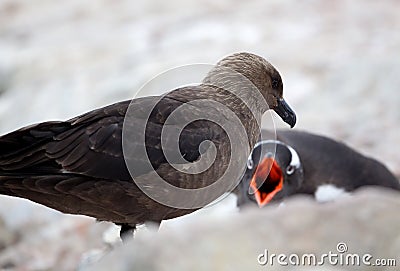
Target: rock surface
(366, 223)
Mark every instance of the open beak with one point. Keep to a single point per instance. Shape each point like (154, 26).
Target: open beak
(266, 181)
(285, 112)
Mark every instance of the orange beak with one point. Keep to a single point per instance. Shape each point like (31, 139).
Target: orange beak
(267, 181)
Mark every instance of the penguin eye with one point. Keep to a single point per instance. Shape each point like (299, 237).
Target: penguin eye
(250, 163)
(290, 170)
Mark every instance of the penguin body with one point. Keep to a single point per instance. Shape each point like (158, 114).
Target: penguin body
(298, 162)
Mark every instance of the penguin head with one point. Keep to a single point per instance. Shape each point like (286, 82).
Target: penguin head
(274, 171)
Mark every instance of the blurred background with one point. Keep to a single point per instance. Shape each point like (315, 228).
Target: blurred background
(339, 61)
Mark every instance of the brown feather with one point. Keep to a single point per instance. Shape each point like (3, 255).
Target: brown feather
(77, 166)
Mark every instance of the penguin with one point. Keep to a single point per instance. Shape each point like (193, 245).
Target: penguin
(298, 162)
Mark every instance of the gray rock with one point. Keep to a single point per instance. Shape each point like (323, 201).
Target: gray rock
(7, 235)
(366, 223)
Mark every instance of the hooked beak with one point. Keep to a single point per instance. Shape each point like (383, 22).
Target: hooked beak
(285, 112)
(267, 181)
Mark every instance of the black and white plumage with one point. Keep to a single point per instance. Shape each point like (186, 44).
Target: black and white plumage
(303, 163)
(78, 167)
